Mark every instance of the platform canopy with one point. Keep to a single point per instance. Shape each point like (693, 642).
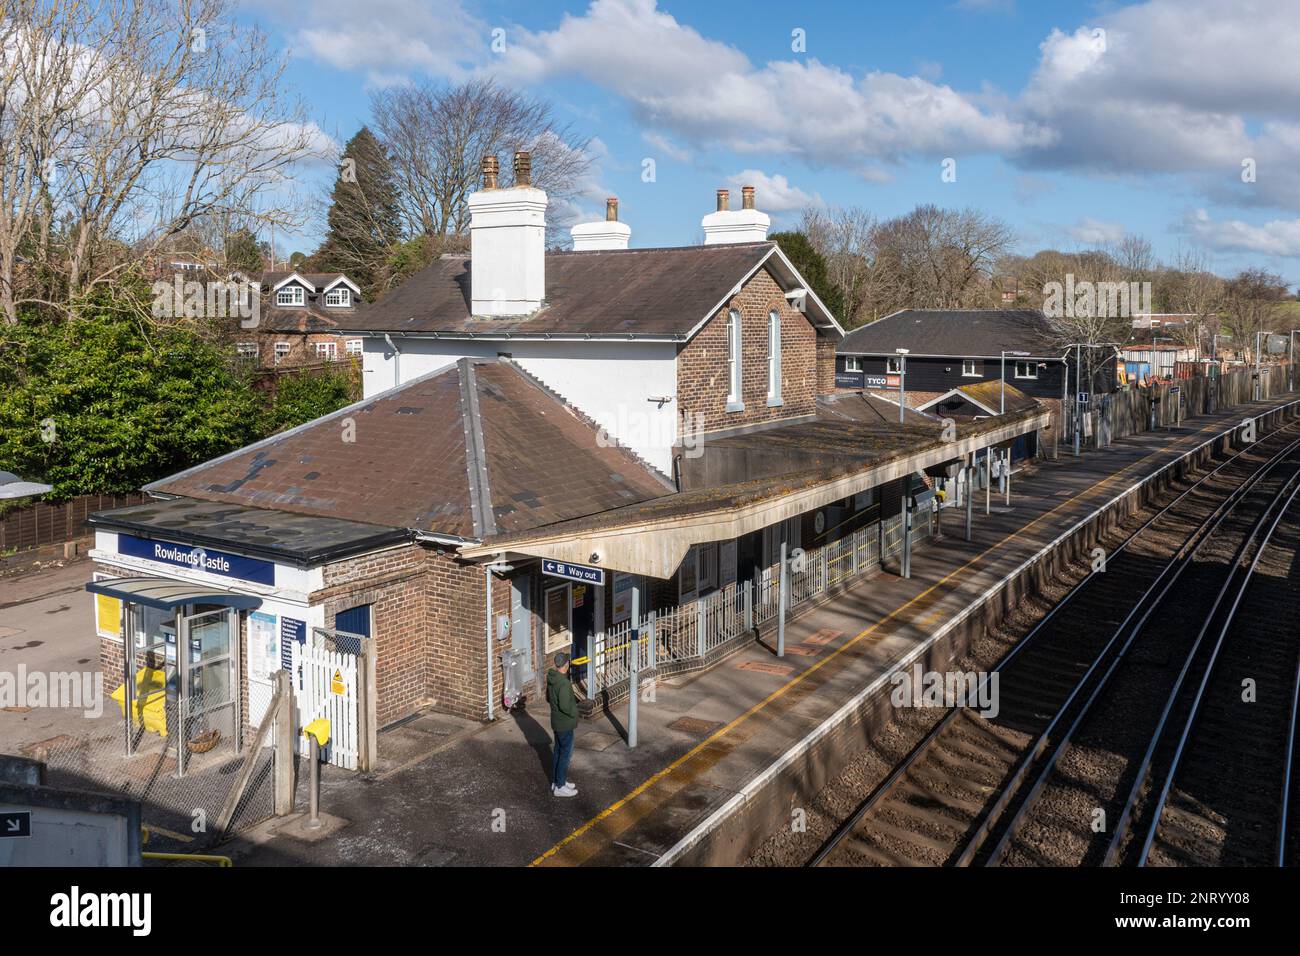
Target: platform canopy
(168, 595)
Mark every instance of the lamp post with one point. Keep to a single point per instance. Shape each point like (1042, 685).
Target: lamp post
(902, 374)
(1002, 405)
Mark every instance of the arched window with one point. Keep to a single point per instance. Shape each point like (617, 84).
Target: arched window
(734, 403)
(774, 357)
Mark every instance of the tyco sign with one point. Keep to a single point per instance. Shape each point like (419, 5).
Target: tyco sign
(573, 572)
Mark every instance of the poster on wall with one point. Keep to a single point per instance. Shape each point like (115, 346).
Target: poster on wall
(727, 564)
(263, 644)
(623, 584)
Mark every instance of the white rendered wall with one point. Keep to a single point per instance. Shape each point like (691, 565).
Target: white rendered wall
(611, 382)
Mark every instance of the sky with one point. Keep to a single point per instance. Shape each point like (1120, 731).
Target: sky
(1077, 123)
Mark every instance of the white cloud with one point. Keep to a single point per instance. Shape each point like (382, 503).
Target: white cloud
(1278, 237)
(385, 39)
(774, 193)
(709, 93)
(666, 146)
(1094, 232)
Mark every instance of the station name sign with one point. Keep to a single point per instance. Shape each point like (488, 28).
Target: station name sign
(573, 572)
(198, 559)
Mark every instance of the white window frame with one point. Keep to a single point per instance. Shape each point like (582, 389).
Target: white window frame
(282, 350)
(342, 291)
(291, 295)
(329, 351)
(247, 350)
(968, 369)
(853, 363)
(735, 341)
(894, 365)
(1030, 370)
(774, 358)
(706, 567)
(354, 347)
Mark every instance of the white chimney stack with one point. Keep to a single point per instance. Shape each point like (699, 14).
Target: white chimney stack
(744, 225)
(610, 234)
(507, 237)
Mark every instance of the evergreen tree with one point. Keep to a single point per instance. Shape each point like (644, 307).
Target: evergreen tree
(364, 222)
(812, 267)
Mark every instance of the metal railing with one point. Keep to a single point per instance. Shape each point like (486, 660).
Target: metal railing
(694, 635)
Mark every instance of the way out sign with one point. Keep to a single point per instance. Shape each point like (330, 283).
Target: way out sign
(574, 572)
(336, 683)
(15, 824)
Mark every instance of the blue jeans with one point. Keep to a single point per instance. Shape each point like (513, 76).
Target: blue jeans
(563, 751)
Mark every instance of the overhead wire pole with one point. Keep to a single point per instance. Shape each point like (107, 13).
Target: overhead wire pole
(902, 383)
(970, 495)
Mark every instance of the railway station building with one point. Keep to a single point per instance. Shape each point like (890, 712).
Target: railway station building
(552, 448)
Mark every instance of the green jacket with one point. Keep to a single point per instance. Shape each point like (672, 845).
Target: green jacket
(564, 706)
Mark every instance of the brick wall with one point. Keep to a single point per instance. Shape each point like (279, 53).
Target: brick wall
(826, 364)
(702, 370)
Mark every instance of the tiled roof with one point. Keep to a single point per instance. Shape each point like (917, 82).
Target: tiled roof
(479, 447)
(659, 292)
(955, 333)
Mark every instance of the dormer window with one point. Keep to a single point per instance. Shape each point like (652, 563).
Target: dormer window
(339, 298)
(291, 295)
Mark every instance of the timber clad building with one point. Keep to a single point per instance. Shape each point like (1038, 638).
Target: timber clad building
(552, 447)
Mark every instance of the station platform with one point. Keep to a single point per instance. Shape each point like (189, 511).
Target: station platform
(480, 794)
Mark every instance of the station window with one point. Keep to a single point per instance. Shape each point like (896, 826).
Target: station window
(774, 357)
(853, 363)
(894, 365)
(969, 369)
(1026, 370)
(734, 403)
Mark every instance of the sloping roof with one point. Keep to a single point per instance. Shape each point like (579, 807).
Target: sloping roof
(987, 396)
(955, 333)
(313, 316)
(871, 407)
(627, 292)
(278, 535)
(473, 449)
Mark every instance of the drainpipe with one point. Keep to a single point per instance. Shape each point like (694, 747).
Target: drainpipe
(397, 360)
(491, 691)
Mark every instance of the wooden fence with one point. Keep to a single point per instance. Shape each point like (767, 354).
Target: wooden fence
(1141, 409)
(40, 523)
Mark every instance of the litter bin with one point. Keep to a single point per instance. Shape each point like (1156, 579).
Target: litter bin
(512, 669)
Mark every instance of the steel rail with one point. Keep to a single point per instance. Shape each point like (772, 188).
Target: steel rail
(1182, 561)
(883, 789)
(1126, 821)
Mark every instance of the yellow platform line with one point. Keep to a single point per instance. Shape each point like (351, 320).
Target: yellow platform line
(799, 678)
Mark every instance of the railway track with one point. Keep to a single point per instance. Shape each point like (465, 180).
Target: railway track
(942, 803)
(1096, 766)
(1225, 798)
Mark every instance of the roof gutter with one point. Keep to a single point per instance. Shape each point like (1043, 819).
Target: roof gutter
(502, 336)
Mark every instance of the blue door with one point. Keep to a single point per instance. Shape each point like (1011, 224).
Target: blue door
(355, 620)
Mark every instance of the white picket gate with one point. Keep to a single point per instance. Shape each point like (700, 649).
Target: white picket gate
(326, 685)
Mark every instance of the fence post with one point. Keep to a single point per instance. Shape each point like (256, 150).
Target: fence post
(700, 624)
(634, 662)
(749, 605)
(782, 600)
(652, 620)
(283, 743)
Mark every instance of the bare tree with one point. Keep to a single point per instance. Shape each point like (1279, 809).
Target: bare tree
(1192, 289)
(1253, 303)
(940, 258)
(437, 136)
(845, 237)
(126, 122)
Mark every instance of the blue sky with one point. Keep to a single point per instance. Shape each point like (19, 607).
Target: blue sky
(1077, 123)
